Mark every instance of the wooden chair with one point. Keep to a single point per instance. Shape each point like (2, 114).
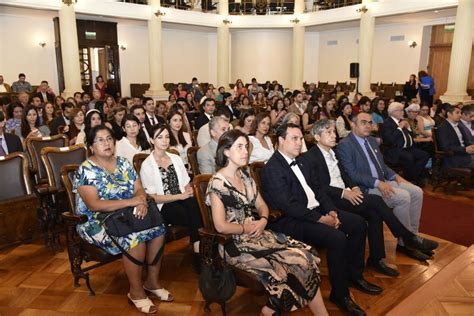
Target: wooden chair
(195, 137)
(173, 232)
(53, 159)
(441, 175)
(208, 233)
(192, 160)
(18, 203)
(78, 249)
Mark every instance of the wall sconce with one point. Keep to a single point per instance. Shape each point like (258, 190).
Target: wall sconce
(226, 21)
(42, 44)
(69, 2)
(295, 20)
(412, 44)
(362, 9)
(159, 13)
(123, 46)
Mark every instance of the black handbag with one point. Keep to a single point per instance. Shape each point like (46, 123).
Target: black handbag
(122, 222)
(217, 280)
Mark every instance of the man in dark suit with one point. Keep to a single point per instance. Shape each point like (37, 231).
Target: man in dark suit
(140, 114)
(208, 111)
(150, 118)
(398, 140)
(44, 92)
(63, 119)
(311, 217)
(346, 195)
(360, 157)
(9, 143)
(454, 137)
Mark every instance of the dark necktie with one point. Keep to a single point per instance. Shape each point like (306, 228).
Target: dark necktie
(293, 163)
(2, 151)
(408, 137)
(152, 120)
(374, 160)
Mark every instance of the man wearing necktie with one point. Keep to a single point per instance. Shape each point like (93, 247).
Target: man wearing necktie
(9, 143)
(360, 157)
(398, 142)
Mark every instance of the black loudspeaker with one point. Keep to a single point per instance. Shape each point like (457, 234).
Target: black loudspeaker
(354, 70)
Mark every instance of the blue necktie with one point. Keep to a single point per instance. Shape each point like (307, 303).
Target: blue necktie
(374, 160)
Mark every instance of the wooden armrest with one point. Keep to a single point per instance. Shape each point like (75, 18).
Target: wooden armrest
(76, 219)
(274, 215)
(221, 238)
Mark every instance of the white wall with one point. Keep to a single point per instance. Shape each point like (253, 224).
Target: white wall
(19, 49)
(311, 56)
(261, 53)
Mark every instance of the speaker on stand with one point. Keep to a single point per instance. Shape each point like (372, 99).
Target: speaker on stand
(354, 73)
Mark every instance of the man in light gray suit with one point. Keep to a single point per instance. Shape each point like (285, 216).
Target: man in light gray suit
(360, 156)
(206, 155)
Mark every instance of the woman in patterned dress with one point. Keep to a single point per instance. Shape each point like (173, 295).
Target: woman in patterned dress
(104, 183)
(287, 268)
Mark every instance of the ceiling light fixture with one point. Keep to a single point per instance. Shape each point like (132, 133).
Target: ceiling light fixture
(42, 44)
(69, 2)
(226, 21)
(412, 44)
(295, 20)
(160, 13)
(362, 9)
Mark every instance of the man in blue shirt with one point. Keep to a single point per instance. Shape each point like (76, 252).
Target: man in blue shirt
(360, 156)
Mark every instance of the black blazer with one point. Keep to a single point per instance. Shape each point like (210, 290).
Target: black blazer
(57, 121)
(149, 126)
(448, 141)
(13, 143)
(283, 191)
(316, 163)
(49, 97)
(200, 121)
(393, 140)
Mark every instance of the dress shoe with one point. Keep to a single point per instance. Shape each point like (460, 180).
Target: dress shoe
(366, 287)
(420, 243)
(413, 253)
(381, 267)
(347, 305)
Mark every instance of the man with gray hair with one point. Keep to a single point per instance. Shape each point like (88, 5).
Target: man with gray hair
(206, 155)
(399, 145)
(359, 155)
(346, 195)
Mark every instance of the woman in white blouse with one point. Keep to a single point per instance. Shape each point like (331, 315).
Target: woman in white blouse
(343, 122)
(166, 180)
(179, 139)
(262, 144)
(134, 140)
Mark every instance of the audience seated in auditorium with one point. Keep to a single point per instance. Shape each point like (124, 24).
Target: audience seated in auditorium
(346, 195)
(139, 113)
(467, 118)
(278, 112)
(424, 121)
(343, 122)
(420, 140)
(245, 121)
(151, 119)
(440, 114)
(24, 98)
(63, 119)
(310, 216)
(195, 89)
(43, 92)
(208, 109)
(360, 156)
(454, 137)
(399, 144)
(262, 146)
(293, 118)
(179, 139)
(328, 111)
(93, 119)
(180, 91)
(206, 154)
(275, 92)
(228, 100)
(9, 143)
(240, 89)
(30, 125)
(166, 180)
(22, 85)
(76, 126)
(115, 117)
(35, 101)
(49, 113)
(134, 140)
(379, 111)
(287, 269)
(104, 183)
(310, 115)
(298, 106)
(4, 87)
(204, 136)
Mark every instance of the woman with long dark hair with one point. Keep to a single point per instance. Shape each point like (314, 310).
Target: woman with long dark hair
(76, 126)
(179, 139)
(93, 119)
(30, 124)
(343, 122)
(410, 89)
(134, 140)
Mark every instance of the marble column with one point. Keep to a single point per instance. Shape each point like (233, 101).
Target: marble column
(155, 53)
(69, 50)
(366, 42)
(460, 54)
(297, 69)
(223, 62)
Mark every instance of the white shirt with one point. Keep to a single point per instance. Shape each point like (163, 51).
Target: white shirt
(312, 202)
(148, 138)
(334, 172)
(152, 118)
(401, 130)
(2, 88)
(458, 132)
(183, 150)
(123, 148)
(260, 153)
(4, 144)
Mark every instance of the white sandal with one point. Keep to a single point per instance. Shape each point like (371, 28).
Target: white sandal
(163, 294)
(144, 305)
